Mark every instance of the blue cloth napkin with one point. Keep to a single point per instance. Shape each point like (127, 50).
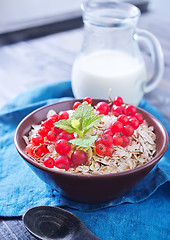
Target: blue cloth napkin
(21, 189)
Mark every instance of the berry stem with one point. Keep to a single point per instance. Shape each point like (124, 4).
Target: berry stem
(80, 133)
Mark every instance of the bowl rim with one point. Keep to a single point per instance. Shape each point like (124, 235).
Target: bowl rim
(154, 160)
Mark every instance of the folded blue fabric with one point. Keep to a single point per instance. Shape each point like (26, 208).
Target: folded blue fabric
(21, 189)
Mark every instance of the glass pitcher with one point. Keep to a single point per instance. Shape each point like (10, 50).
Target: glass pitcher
(111, 58)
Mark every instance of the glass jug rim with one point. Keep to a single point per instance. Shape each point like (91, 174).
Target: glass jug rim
(109, 13)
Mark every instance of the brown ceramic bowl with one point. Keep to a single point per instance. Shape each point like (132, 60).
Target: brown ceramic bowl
(83, 188)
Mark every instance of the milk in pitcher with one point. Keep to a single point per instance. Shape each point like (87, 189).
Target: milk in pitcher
(93, 75)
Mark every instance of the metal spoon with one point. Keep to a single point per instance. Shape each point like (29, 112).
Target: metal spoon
(46, 222)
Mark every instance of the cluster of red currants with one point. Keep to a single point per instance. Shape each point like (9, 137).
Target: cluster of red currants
(63, 148)
(119, 131)
(46, 133)
(86, 99)
(63, 161)
(49, 134)
(116, 135)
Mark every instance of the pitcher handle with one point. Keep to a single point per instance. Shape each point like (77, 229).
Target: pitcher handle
(157, 58)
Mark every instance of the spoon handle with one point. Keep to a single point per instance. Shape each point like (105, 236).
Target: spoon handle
(86, 234)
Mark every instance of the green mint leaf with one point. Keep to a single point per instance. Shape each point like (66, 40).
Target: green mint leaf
(81, 121)
(65, 125)
(75, 123)
(83, 111)
(90, 122)
(84, 142)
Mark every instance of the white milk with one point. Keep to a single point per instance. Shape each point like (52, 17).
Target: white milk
(95, 74)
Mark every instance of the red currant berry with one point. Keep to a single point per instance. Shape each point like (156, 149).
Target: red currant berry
(133, 122)
(126, 141)
(117, 140)
(117, 110)
(39, 151)
(50, 122)
(57, 130)
(43, 131)
(116, 127)
(140, 117)
(123, 119)
(99, 140)
(107, 140)
(29, 149)
(108, 131)
(101, 149)
(62, 147)
(88, 100)
(37, 139)
(128, 130)
(49, 162)
(66, 135)
(45, 149)
(76, 104)
(79, 157)
(109, 151)
(63, 162)
(118, 101)
(130, 110)
(63, 115)
(51, 136)
(56, 117)
(102, 108)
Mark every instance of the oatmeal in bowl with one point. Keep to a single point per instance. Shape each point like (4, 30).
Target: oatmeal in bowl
(103, 139)
(91, 150)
